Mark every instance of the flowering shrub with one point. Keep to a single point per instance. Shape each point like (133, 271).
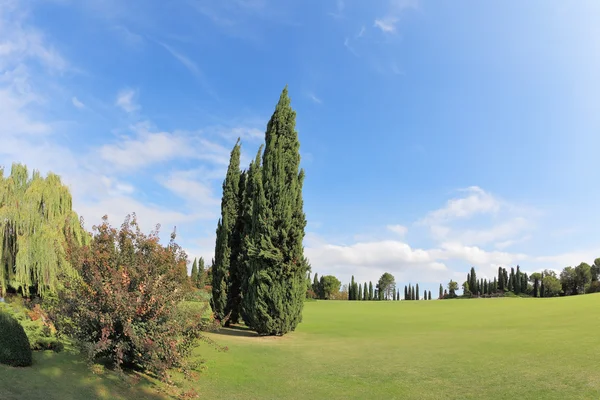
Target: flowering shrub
(125, 307)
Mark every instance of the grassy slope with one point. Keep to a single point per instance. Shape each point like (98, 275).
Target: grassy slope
(65, 376)
(460, 349)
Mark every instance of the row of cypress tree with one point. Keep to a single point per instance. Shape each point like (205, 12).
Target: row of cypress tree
(259, 267)
(364, 292)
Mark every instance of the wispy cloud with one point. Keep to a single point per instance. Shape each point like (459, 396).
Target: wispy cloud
(189, 64)
(339, 10)
(127, 36)
(77, 103)
(349, 47)
(388, 22)
(192, 67)
(361, 33)
(315, 99)
(126, 100)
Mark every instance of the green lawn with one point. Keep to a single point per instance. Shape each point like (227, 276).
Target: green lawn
(454, 349)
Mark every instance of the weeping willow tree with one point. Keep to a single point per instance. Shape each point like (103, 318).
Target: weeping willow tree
(36, 218)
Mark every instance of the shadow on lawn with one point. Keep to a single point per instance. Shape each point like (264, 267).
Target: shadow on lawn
(236, 330)
(66, 376)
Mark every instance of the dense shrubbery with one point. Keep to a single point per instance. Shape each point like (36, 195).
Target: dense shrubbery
(14, 345)
(127, 308)
(38, 328)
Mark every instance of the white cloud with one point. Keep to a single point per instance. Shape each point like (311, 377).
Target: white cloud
(77, 103)
(126, 100)
(189, 64)
(368, 260)
(387, 24)
(477, 202)
(398, 229)
(361, 33)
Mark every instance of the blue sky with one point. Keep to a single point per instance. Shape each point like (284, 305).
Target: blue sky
(436, 136)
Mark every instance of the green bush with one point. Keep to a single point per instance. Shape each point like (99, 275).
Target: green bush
(41, 335)
(14, 345)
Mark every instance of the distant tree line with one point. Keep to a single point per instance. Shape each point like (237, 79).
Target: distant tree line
(329, 287)
(581, 279)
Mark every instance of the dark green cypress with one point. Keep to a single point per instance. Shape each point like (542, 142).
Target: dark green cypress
(360, 294)
(371, 290)
(542, 291)
(412, 293)
(505, 286)
(225, 228)
(441, 294)
(352, 292)
(278, 265)
(473, 283)
(517, 281)
(430, 295)
(253, 178)
(398, 295)
(315, 285)
(236, 265)
(194, 274)
(524, 285)
(405, 292)
(365, 292)
(500, 280)
(417, 296)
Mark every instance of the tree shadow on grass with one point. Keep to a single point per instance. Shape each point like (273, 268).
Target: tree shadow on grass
(58, 376)
(236, 330)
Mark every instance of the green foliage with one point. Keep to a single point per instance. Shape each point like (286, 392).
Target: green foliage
(35, 217)
(329, 286)
(386, 286)
(275, 292)
(370, 290)
(125, 308)
(360, 294)
(222, 303)
(37, 325)
(14, 345)
(452, 288)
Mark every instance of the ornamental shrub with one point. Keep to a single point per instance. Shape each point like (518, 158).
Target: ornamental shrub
(14, 345)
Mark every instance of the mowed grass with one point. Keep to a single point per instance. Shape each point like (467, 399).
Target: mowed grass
(454, 349)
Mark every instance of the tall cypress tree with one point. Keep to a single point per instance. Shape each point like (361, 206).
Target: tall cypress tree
(225, 228)
(315, 285)
(398, 295)
(412, 293)
(430, 295)
(278, 266)
(194, 273)
(253, 180)
(473, 284)
(500, 279)
(505, 286)
(405, 292)
(201, 277)
(352, 292)
(365, 292)
(359, 292)
(517, 281)
(536, 283)
(236, 263)
(371, 290)
(524, 285)
(542, 291)
(441, 294)
(417, 296)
